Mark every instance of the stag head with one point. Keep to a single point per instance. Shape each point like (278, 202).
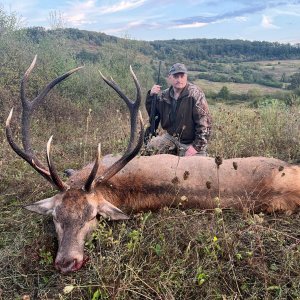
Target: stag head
(74, 209)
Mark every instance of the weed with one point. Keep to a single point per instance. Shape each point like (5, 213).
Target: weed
(170, 254)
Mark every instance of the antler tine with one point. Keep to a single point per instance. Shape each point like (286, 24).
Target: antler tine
(24, 81)
(89, 183)
(113, 85)
(25, 155)
(133, 112)
(55, 178)
(136, 139)
(27, 110)
(30, 106)
(124, 160)
(133, 106)
(138, 88)
(51, 85)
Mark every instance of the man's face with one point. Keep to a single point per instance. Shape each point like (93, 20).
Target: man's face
(178, 81)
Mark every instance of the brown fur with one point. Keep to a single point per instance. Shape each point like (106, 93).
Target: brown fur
(258, 183)
(153, 182)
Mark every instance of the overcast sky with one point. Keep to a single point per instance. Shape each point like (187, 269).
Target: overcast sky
(268, 20)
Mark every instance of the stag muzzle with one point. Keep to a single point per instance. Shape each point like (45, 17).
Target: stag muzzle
(70, 261)
(67, 265)
(70, 254)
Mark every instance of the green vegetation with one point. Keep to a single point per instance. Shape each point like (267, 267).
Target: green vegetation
(222, 50)
(170, 254)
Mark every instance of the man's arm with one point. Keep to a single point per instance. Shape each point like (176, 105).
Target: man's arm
(152, 95)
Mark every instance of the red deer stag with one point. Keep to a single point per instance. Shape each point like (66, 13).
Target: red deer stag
(130, 184)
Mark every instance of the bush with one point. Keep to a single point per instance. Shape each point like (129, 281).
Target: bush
(224, 93)
(265, 102)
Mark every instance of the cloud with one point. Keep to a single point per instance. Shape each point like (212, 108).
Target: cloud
(290, 10)
(133, 25)
(266, 22)
(241, 19)
(237, 15)
(78, 19)
(123, 5)
(128, 26)
(190, 25)
(88, 12)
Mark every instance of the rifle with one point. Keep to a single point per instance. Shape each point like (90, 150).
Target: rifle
(153, 120)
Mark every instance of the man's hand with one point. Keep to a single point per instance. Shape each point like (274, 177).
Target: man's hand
(190, 151)
(155, 90)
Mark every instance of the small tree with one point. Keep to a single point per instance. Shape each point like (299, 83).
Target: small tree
(224, 93)
(292, 100)
(295, 81)
(8, 22)
(283, 77)
(56, 20)
(253, 94)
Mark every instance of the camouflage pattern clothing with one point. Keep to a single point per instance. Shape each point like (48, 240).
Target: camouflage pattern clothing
(187, 118)
(166, 143)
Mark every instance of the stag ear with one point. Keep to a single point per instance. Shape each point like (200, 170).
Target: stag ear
(43, 207)
(108, 210)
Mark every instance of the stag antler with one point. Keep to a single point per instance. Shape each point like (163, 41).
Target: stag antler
(135, 140)
(28, 108)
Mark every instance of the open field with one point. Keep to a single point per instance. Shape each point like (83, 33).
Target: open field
(235, 88)
(278, 67)
(268, 77)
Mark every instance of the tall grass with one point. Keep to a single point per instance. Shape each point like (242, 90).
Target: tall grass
(168, 255)
(240, 131)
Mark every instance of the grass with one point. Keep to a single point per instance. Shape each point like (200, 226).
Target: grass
(166, 255)
(240, 131)
(278, 67)
(235, 88)
(170, 254)
(274, 68)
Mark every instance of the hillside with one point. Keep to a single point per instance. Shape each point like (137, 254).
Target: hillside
(211, 50)
(216, 60)
(167, 254)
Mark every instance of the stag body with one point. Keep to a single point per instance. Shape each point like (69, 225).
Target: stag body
(149, 183)
(258, 184)
(116, 186)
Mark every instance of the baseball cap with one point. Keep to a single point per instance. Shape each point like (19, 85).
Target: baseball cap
(178, 68)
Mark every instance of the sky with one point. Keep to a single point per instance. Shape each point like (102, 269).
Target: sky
(258, 20)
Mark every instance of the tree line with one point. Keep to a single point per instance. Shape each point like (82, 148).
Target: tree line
(224, 50)
(211, 50)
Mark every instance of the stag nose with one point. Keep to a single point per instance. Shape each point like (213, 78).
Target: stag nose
(68, 265)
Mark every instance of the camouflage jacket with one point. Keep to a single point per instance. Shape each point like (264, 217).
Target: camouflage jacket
(188, 117)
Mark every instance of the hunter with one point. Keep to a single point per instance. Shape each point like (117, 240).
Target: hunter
(182, 111)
